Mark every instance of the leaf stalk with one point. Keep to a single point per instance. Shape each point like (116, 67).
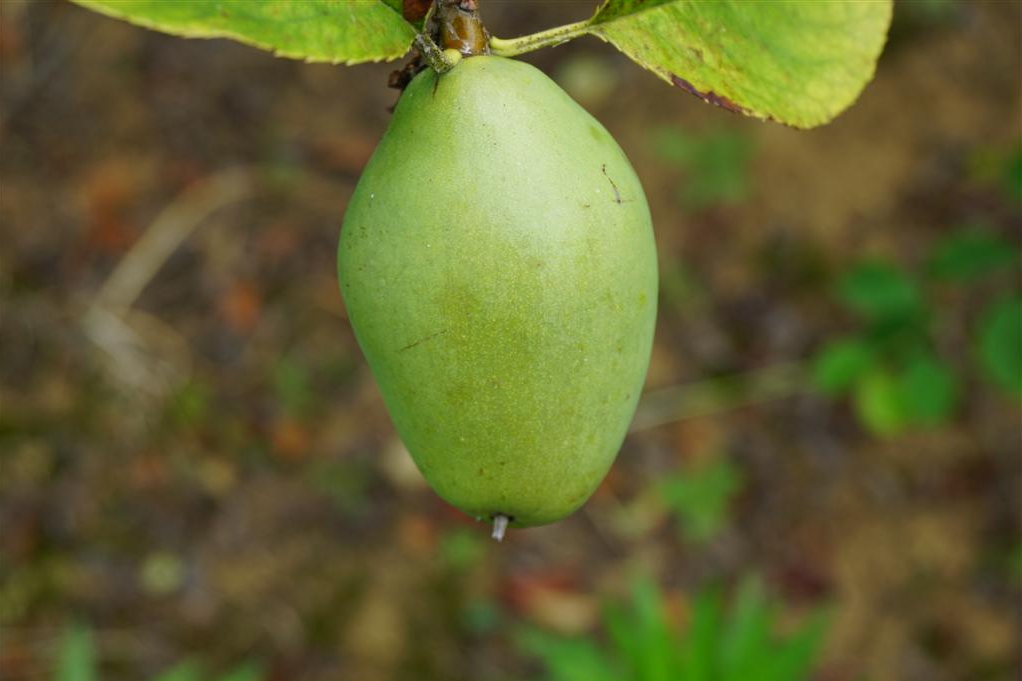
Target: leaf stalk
(551, 37)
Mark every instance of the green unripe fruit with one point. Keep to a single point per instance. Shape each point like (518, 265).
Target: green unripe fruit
(498, 266)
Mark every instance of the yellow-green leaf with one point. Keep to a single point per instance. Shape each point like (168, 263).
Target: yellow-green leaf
(799, 62)
(878, 403)
(335, 31)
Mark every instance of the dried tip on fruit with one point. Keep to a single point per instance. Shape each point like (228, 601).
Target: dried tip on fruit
(499, 526)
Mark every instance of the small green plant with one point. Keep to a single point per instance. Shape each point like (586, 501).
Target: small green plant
(890, 366)
(700, 497)
(76, 661)
(739, 642)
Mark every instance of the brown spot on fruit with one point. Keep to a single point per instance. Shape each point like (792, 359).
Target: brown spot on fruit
(617, 195)
(423, 340)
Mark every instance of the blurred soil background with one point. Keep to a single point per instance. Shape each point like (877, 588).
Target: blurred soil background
(196, 462)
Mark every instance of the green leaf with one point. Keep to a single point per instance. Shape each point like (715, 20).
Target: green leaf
(792, 659)
(746, 643)
(313, 30)
(76, 659)
(970, 254)
(642, 638)
(838, 365)
(567, 659)
(719, 644)
(928, 390)
(796, 62)
(999, 346)
(878, 403)
(699, 650)
(879, 292)
(653, 631)
(622, 634)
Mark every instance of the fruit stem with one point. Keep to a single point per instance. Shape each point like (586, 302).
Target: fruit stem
(461, 28)
(527, 43)
(499, 526)
(439, 60)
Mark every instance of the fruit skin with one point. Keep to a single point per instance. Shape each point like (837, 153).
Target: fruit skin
(498, 267)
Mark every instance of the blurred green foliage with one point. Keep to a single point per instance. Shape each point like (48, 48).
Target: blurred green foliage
(879, 292)
(462, 548)
(76, 661)
(189, 406)
(1013, 173)
(739, 642)
(481, 616)
(998, 167)
(162, 572)
(715, 165)
(969, 254)
(999, 346)
(889, 366)
(345, 482)
(700, 497)
(183, 671)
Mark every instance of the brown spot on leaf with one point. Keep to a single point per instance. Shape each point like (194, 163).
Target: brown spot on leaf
(709, 96)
